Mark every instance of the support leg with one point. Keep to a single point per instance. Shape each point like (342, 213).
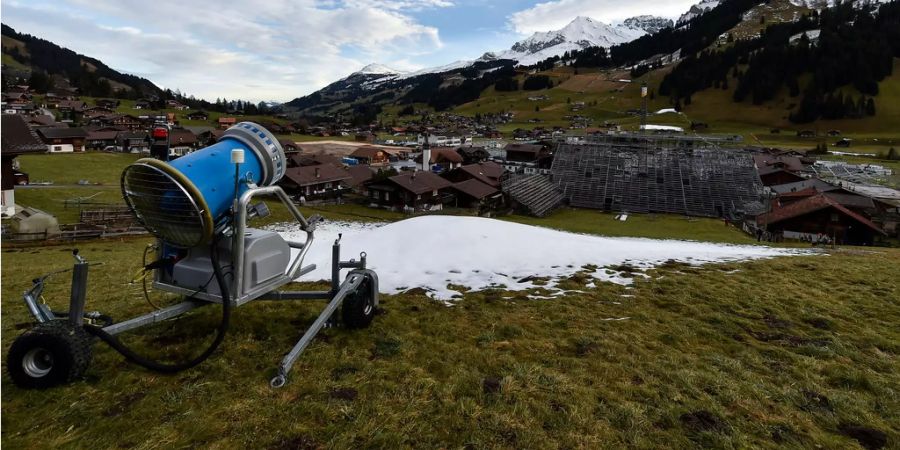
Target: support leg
(350, 284)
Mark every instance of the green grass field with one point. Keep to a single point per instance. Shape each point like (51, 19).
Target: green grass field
(787, 353)
(657, 226)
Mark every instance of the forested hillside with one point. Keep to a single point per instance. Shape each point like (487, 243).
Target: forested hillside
(855, 46)
(89, 75)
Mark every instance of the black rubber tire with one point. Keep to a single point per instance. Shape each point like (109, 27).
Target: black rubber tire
(48, 355)
(358, 309)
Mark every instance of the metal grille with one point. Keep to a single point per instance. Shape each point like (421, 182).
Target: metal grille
(163, 205)
(694, 180)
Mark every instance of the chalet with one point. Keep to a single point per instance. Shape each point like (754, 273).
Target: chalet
(472, 155)
(76, 106)
(63, 140)
(70, 110)
(181, 142)
(133, 142)
(361, 176)
(197, 115)
(108, 103)
(778, 169)
(96, 111)
(313, 159)
(411, 190)
(142, 104)
(806, 134)
(364, 137)
(16, 139)
(208, 137)
(175, 104)
(126, 121)
(819, 218)
(101, 139)
(443, 159)
(488, 173)
(370, 155)
(475, 194)
(524, 152)
(289, 146)
(225, 122)
(318, 181)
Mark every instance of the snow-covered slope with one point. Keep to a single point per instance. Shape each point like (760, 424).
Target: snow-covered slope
(433, 252)
(822, 4)
(581, 33)
(698, 9)
(377, 69)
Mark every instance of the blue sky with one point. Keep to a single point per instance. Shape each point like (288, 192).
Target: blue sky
(282, 49)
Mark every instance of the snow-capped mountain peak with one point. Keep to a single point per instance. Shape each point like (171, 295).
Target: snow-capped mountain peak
(698, 9)
(582, 32)
(377, 69)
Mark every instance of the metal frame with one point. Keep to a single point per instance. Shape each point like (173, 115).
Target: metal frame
(268, 291)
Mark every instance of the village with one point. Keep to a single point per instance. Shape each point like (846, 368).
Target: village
(445, 163)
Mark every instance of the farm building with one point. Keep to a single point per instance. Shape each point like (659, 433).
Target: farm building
(16, 139)
(63, 140)
(414, 190)
(819, 217)
(318, 181)
(370, 155)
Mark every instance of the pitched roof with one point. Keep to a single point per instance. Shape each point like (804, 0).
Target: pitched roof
(420, 182)
(76, 105)
(102, 135)
(312, 159)
(17, 138)
(439, 155)
(487, 172)
(475, 188)
(367, 152)
(309, 175)
(525, 148)
(181, 136)
(442, 154)
(62, 133)
(809, 205)
(360, 175)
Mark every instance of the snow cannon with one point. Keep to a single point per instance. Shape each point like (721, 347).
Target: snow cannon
(198, 207)
(181, 202)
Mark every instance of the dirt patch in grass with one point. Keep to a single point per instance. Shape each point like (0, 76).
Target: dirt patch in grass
(702, 420)
(348, 394)
(491, 385)
(867, 437)
(300, 442)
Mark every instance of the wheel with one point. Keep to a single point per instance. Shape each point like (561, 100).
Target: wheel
(50, 354)
(359, 306)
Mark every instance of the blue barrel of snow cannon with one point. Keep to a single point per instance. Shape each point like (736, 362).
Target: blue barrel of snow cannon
(181, 201)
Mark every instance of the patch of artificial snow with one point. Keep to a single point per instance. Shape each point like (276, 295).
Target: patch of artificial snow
(668, 111)
(433, 252)
(661, 128)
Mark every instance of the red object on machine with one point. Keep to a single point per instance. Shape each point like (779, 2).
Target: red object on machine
(160, 133)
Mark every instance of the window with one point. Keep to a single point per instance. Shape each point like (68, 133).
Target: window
(835, 217)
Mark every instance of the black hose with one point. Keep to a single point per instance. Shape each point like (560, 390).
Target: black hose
(157, 366)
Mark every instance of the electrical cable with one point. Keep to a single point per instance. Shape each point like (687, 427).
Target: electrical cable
(157, 366)
(144, 278)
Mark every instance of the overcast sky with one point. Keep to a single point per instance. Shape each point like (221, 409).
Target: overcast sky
(282, 49)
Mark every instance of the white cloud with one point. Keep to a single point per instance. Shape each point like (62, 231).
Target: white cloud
(556, 14)
(256, 49)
